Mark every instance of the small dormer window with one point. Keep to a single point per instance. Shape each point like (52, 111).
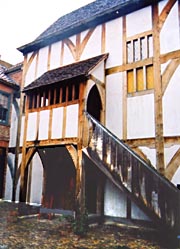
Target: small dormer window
(4, 107)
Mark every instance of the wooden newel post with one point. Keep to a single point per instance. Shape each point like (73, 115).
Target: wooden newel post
(80, 185)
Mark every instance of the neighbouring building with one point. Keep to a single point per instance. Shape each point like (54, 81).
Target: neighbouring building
(101, 124)
(9, 93)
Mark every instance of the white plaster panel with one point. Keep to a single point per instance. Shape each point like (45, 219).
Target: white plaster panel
(150, 154)
(32, 126)
(93, 46)
(57, 122)
(137, 214)
(114, 35)
(22, 130)
(169, 153)
(164, 66)
(55, 55)
(13, 128)
(8, 186)
(42, 61)
(30, 75)
(169, 36)
(139, 21)
(43, 125)
(68, 57)
(140, 116)
(171, 104)
(8, 181)
(98, 72)
(161, 5)
(176, 177)
(72, 120)
(114, 100)
(37, 180)
(114, 201)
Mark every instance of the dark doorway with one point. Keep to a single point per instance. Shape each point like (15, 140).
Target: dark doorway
(93, 180)
(94, 105)
(60, 178)
(2, 170)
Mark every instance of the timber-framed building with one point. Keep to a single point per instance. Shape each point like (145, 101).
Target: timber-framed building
(101, 123)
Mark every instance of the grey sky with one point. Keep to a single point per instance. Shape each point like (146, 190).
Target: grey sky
(23, 20)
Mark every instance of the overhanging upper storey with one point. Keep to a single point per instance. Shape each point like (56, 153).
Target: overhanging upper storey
(91, 15)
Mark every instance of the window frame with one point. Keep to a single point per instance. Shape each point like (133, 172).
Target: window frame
(8, 95)
(139, 59)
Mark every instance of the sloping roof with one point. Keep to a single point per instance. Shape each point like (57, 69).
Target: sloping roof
(4, 78)
(78, 70)
(15, 68)
(83, 18)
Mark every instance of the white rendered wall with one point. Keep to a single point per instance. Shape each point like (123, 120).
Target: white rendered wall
(140, 116)
(114, 100)
(169, 36)
(171, 105)
(67, 56)
(32, 126)
(115, 204)
(137, 214)
(55, 55)
(98, 72)
(72, 114)
(114, 42)
(42, 61)
(13, 128)
(57, 122)
(161, 5)
(139, 21)
(22, 130)
(43, 125)
(93, 47)
(114, 201)
(8, 181)
(150, 153)
(170, 152)
(30, 75)
(36, 180)
(176, 177)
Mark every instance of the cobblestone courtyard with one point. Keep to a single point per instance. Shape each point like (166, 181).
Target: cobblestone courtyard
(23, 232)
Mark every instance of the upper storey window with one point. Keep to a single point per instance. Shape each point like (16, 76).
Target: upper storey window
(139, 48)
(59, 94)
(4, 107)
(140, 75)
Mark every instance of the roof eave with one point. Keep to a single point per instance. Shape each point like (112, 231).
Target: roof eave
(79, 78)
(119, 10)
(11, 85)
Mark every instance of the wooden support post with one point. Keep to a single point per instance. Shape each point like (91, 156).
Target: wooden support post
(80, 184)
(159, 139)
(17, 149)
(124, 123)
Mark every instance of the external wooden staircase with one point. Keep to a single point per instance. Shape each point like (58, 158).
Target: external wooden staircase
(156, 196)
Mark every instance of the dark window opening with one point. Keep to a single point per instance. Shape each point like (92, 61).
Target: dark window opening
(4, 106)
(59, 94)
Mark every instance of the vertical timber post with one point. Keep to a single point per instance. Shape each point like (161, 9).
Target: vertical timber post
(159, 138)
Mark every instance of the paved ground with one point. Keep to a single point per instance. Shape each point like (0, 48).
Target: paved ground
(23, 232)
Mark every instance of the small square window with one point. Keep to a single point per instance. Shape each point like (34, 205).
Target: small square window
(4, 107)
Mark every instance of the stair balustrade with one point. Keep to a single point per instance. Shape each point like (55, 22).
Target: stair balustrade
(143, 184)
